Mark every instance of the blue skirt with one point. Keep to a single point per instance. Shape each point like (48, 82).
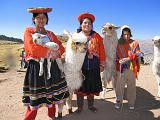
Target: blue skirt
(92, 83)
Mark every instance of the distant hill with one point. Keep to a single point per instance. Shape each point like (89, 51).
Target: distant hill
(63, 38)
(5, 38)
(147, 48)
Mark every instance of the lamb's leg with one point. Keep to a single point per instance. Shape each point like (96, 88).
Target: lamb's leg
(41, 66)
(49, 68)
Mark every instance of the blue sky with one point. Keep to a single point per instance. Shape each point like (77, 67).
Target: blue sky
(143, 16)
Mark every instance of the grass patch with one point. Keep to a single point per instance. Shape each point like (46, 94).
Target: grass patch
(10, 54)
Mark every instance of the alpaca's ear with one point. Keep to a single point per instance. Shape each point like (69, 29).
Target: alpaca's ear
(116, 27)
(156, 38)
(66, 32)
(103, 30)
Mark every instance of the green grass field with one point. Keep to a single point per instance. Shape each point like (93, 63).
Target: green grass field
(10, 53)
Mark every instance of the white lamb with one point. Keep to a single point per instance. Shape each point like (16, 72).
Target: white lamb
(76, 48)
(156, 61)
(44, 40)
(110, 41)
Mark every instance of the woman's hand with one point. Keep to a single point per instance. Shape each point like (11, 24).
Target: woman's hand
(124, 60)
(101, 68)
(55, 54)
(90, 56)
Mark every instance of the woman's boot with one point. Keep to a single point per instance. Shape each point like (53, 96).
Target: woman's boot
(91, 104)
(80, 103)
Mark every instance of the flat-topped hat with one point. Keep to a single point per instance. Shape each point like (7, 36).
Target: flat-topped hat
(39, 10)
(86, 15)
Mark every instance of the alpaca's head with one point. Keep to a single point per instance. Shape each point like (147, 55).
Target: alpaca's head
(78, 46)
(156, 41)
(78, 42)
(109, 29)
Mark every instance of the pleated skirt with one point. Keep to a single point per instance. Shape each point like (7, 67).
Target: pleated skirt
(38, 90)
(92, 84)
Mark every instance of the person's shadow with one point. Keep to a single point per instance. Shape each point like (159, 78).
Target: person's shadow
(106, 111)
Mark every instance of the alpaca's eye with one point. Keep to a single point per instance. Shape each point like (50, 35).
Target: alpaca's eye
(78, 43)
(110, 28)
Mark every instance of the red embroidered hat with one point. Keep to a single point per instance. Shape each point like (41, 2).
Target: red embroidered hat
(86, 15)
(39, 10)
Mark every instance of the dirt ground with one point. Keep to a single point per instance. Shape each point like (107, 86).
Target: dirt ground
(147, 104)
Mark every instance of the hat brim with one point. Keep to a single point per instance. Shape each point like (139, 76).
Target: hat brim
(39, 10)
(86, 15)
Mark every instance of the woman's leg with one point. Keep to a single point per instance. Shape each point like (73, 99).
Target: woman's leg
(51, 111)
(131, 89)
(119, 90)
(30, 114)
(90, 99)
(80, 100)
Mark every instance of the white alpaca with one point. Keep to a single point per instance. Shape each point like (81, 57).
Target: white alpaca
(110, 41)
(76, 48)
(75, 54)
(156, 61)
(44, 40)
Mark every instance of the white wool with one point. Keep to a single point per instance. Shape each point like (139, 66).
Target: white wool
(73, 62)
(52, 45)
(156, 38)
(79, 37)
(156, 61)
(44, 40)
(156, 41)
(110, 44)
